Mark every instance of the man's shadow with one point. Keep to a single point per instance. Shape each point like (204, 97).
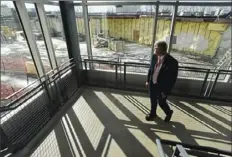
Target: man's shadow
(176, 128)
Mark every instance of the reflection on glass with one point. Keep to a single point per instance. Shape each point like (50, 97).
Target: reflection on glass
(34, 21)
(164, 23)
(55, 26)
(17, 68)
(81, 31)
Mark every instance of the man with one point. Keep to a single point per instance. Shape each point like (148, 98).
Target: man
(161, 78)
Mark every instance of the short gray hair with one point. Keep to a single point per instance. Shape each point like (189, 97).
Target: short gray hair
(162, 44)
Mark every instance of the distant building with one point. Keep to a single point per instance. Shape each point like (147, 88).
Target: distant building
(127, 9)
(9, 18)
(6, 11)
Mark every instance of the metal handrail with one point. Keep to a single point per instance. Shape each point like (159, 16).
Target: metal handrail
(19, 98)
(8, 106)
(39, 79)
(143, 59)
(193, 69)
(54, 76)
(70, 60)
(100, 61)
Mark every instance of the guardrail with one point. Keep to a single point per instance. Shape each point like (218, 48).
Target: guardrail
(208, 78)
(184, 150)
(28, 113)
(147, 61)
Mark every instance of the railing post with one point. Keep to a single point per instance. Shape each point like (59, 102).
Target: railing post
(85, 64)
(205, 80)
(116, 73)
(214, 84)
(57, 90)
(124, 74)
(48, 90)
(209, 83)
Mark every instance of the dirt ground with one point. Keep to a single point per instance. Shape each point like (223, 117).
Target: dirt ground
(15, 54)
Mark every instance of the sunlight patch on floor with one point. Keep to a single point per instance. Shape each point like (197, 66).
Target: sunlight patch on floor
(49, 147)
(111, 106)
(136, 111)
(89, 121)
(145, 140)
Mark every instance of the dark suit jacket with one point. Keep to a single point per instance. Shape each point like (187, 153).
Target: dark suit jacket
(167, 74)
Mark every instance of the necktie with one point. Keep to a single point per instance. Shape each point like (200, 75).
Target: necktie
(158, 63)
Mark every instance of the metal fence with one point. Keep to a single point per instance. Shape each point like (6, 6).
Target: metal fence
(190, 74)
(25, 115)
(126, 75)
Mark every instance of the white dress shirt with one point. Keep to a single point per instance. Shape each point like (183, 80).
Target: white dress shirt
(157, 68)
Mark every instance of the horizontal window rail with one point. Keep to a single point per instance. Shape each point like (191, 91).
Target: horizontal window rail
(22, 90)
(50, 75)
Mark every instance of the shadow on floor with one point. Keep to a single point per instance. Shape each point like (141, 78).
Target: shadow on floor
(72, 134)
(220, 132)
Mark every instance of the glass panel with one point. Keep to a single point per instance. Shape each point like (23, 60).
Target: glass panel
(164, 23)
(203, 38)
(81, 31)
(34, 21)
(121, 32)
(55, 26)
(17, 68)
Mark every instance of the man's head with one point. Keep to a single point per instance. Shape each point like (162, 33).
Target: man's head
(160, 48)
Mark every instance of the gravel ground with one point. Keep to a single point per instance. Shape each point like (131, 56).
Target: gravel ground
(14, 55)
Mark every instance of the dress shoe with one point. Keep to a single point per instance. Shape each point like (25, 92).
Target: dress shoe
(150, 118)
(168, 117)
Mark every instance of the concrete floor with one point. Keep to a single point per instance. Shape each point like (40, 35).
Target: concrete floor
(105, 122)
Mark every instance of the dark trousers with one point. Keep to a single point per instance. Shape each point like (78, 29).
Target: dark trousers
(155, 95)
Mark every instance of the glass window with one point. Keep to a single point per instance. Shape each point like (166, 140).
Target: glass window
(55, 26)
(164, 23)
(36, 28)
(203, 39)
(203, 36)
(81, 31)
(121, 32)
(17, 68)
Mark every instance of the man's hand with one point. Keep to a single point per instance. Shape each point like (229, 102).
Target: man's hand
(146, 84)
(164, 96)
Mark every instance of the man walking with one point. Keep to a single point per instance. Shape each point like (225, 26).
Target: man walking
(161, 78)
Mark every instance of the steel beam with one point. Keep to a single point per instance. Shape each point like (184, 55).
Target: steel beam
(154, 28)
(47, 38)
(27, 28)
(70, 31)
(173, 26)
(138, 2)
(87, 30)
